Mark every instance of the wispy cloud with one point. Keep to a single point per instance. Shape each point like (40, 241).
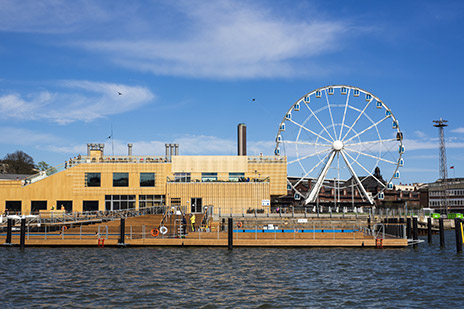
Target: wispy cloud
(25, 137)
(458, 130)
(75, 101)
(227, 39)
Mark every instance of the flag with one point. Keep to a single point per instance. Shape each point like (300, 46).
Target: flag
(451, 167)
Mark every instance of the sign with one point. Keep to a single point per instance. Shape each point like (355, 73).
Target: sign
(266, 203)
(302, 220)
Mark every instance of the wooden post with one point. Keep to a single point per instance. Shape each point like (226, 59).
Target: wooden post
(442, 232)
(22, 237)
(8, 231)
(408, 228)
(415, 231)
(230, 234)
(122, 230)
(457, 229)
(429, 230)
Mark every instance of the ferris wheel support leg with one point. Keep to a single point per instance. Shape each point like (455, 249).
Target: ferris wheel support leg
(361, 187)
(315, 191)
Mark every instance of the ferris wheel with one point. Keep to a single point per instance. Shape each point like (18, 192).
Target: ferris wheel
(342, 137)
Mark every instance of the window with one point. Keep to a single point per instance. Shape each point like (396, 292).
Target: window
(175, 201)
(89, 205)
(207, 177)
(151, 200)
(119, 202)
(92, 179)
(66, 204)
(13, 206)
(236, 176)
(120, 179)
(36, 206)
(147, 179)
(182, 177)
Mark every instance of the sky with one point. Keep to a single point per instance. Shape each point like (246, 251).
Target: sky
(190, 71)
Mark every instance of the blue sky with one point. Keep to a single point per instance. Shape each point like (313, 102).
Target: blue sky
(188, 71)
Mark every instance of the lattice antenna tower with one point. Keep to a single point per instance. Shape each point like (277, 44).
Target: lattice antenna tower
(440, 124)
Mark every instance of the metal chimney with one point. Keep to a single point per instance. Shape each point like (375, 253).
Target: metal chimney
(241, 139)
(129, 150)
(176, 149)
(88, 150)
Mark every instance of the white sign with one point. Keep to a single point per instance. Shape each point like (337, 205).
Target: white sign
(302, 220)
(266, 203)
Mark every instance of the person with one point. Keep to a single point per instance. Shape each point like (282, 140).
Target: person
(53, 207)
(192, 221)
(62, 207)
(184, 225)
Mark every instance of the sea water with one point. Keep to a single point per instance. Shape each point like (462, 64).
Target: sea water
(425, 276)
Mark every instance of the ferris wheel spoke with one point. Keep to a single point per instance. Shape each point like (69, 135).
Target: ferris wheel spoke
(311, 170)
(310, 131)
(317, 187)
(344, 113)
(369, 173)
(361, 187)
(373, 142)
(357, 119)
(305, 143)
(310, 155)
(367, 129)
(369, 155)
(330, 112)
(318, 120)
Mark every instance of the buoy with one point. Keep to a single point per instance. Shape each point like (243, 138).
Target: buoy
(155, 232)
(163, 230)
(64, 228)
(239, 224)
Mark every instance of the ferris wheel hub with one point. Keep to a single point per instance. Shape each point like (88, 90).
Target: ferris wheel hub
(337, 145)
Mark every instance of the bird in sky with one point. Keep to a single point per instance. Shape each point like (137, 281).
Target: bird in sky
(120, 93)
(253, 100)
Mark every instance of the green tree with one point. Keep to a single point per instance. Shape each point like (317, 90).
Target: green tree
(43, 166)
(19, 162)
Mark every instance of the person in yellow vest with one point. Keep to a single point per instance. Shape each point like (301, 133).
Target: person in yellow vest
(192, 221)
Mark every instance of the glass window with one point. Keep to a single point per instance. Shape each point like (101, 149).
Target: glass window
(92, 179)
(151, 200)
(182, 177)
(38, 205)
(207, 177)
(119, 202)
(147, 179)
(90, 205)
(120, 179)
(66, 205)
(13, 206)
(236, 176)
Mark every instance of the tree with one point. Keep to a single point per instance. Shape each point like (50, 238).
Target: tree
(19, 162)
(43, 166)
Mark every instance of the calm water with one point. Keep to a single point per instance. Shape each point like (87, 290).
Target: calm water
(210, 277)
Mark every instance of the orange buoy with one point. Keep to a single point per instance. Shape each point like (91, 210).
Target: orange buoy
(155, 232)
(239, 224)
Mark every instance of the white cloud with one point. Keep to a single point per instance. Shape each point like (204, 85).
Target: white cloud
(75, 101)
(458, 130)
(227, 39)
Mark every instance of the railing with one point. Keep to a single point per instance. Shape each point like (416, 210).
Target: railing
(52, 218)
(197, 180)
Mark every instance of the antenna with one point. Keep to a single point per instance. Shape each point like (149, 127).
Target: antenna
(112, 140)
(441, 124)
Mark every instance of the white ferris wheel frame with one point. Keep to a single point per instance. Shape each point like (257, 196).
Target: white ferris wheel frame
(338, 144)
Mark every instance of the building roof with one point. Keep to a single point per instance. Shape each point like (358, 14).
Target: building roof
(13, 176)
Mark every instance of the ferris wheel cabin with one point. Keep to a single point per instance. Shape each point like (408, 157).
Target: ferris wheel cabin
(344, 90)
(330, 91)
(296, 107)
(318, 94)
(356, 92)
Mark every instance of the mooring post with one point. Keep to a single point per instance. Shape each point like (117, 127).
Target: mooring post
(230, 234)
(429, 230)
(442, 232)
(457, 229)
(122, 230)
(415, 230)
(8, 231)
(22, 237)
(408, 228)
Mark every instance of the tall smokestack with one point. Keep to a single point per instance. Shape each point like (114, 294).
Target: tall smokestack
(241, 139)
(129, 150)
